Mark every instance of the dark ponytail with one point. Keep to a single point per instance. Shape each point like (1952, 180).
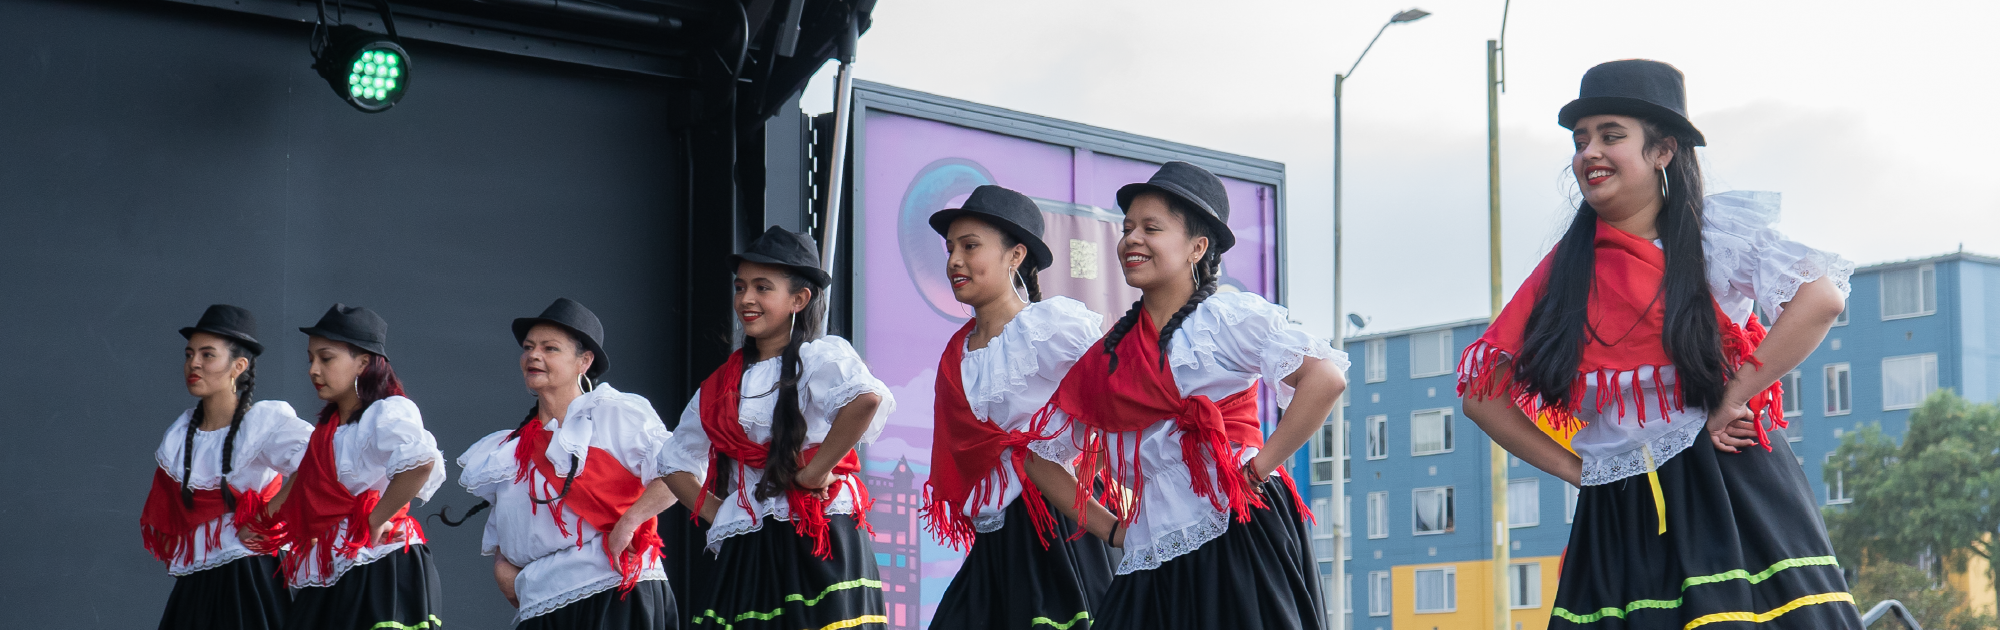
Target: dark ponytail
(788, 421)
(245, 384)
(1031, 279)
(1207, 271)
(1559, 326)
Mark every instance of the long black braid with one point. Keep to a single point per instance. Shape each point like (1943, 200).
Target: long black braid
(788, 421)
(1207, 271)
(245, 383)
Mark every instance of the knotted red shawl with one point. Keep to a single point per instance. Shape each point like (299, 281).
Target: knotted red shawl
(966, 458)
(600, 495)
(317, 506)
(1627, 317)
(1111, 405)
(721, 394)
(167, 525)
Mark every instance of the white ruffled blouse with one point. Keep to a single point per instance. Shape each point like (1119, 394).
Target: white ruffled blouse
(1228, 343)
(1750, 266)
(831, 375)
(556, 570)
(1013, 377)
(270, 442)
(389, 439)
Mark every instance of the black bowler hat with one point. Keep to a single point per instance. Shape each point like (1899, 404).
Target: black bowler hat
(1194, 185)
(355, 325)
(1011, 212)
(234, 322)
(567, 313)
(778, 246)
(1640, 88)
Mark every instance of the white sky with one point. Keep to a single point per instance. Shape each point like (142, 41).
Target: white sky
(1872, 118)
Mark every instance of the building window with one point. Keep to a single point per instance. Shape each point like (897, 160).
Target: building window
(1524, 585)
(1322, 529)
(1569, 502)
(1838, 390)
(1322, 454)
(1794, 397)
(1378, 514)
(1907, 380)
(1378, 593)
(1437, 590)
(1841, 319)
(1909, 292)
(1433, 510)
(1430, 354)
(1836, 485)
(1378, 360)
(1430, 432)
(1378, 436)
(1524, 502)
(1346, 603)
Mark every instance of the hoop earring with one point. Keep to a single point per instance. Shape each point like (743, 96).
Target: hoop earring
(1017, 285)
(1194, 275)
(582, 384)
(1663, 185)
(357, 386)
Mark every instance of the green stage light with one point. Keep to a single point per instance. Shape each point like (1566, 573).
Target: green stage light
(369, 70)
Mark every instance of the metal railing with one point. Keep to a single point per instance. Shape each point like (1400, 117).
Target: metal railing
(1886, 608)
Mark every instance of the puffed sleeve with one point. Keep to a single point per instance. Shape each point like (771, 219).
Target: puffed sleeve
(1071, 329)
(487, 466)
(1246, 333)
(687, 449)
(1061, 448)
(282, 437)
(834, 376)
(625, 425)
(1748, 256)
(403, 444)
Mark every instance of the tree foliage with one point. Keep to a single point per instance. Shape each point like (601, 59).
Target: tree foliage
(1935, 495)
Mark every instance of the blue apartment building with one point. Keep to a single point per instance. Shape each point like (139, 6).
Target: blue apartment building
(1417, 472)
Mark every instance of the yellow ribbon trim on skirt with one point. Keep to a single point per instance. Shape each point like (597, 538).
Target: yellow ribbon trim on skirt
(1795, 604)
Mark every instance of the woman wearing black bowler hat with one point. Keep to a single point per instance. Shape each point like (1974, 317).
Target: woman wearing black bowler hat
(220, 464)
(357, 560)
(765, 454)
(1163, 412)
(1638, 337)
(574, 488)
(996, 372)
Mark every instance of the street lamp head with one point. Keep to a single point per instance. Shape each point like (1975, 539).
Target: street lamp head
(1411, 15)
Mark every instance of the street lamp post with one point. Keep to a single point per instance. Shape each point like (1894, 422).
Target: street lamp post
(1337, 595)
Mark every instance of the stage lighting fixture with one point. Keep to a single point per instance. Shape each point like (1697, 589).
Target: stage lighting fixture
(369, 70)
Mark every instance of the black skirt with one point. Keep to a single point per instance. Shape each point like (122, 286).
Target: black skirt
(244, 594)
(649, 606)
(1744, 543)
(397, 592)
(1010, 582)
(769, 580)
(1258, 574)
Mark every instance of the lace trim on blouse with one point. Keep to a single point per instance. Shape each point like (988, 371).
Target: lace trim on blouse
(1175, 544)
(1633, 462)
(1020, 343)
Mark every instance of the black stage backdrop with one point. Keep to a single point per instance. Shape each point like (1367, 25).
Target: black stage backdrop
(156, 158)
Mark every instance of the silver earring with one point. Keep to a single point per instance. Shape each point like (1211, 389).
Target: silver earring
(1018, 285)
(1663, 184)
(581, 384)
(357, 386)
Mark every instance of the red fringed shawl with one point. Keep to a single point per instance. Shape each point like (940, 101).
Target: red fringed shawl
(312, 514)
(966, 457)
(1626, 327)
(600, 495)
(167, 525)
(1109, 405)
(721, 394)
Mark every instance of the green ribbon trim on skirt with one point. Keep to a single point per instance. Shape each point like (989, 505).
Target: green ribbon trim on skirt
(430, 624)
(1083, 617)
(1737, 574)
(729, 624)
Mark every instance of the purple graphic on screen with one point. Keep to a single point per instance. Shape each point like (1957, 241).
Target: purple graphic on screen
(910, 167)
